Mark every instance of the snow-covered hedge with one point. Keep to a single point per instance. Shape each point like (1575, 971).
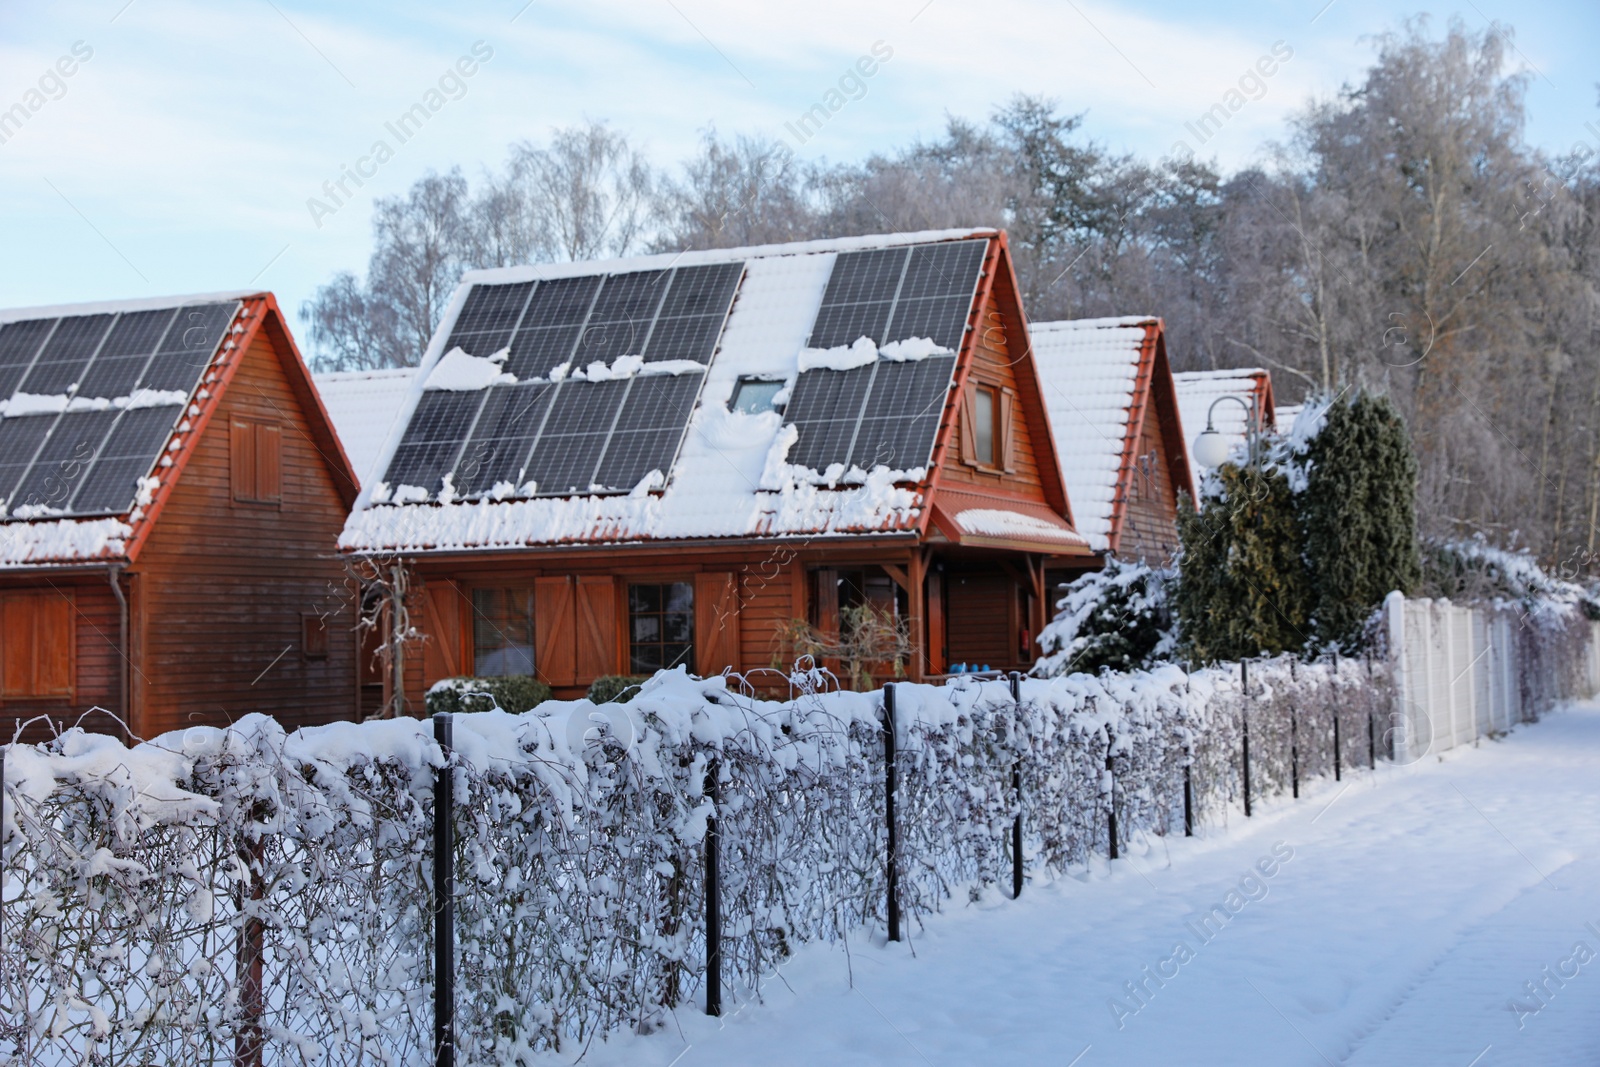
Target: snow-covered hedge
(135, 878)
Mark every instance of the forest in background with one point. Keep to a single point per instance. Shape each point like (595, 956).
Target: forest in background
(1402, 237)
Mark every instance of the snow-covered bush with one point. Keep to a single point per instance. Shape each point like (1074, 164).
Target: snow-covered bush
(1118, 618)
(142, 883)
(511, 692)
(1474, 571)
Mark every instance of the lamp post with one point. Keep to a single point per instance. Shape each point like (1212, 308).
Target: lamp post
(1211, 448)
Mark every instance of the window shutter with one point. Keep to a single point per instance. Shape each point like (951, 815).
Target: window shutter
(269, 462)
(555, 660)
(37, 645)
(596, 653)
(241, 454)
(969, 425)
(441, 654)
(716, 624)
(1006, 446)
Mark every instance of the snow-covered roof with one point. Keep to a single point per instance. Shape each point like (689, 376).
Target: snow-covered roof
(1090, 369)
(364, 405)
(732, 476)
(1198, 390)
(1287, 413)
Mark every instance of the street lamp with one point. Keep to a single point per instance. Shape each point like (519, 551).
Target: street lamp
(1211, 448)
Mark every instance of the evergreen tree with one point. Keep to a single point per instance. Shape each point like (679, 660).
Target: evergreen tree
(1358, 510)
(1243, 585)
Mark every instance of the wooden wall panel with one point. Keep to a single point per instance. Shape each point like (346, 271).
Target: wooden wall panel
(1150, 517)
(994, 359)
(223, 583)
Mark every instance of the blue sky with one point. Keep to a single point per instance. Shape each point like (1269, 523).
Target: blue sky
(180, 156)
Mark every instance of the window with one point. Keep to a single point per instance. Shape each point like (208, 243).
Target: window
(660, 626)
(752, 396)
(502, 632)
(984, 426)
(313, 636)
(37, 642)
(256, 451)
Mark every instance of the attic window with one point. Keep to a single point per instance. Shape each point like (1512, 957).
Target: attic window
(983, 425)
(753, 396)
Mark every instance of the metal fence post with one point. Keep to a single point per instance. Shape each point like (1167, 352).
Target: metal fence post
(1294, 737)
(1111, 795)
(1336, 763)
(713, 849)
(1244, 717)
(1188, 803)
(1016, 788)
(444, 889)
(892, 861)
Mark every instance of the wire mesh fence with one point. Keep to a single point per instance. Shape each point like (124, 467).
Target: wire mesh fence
(248, 896)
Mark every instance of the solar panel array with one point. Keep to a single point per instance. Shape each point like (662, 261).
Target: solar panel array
(88, 461)
(886, 413)
(890, 294)
(570, 435)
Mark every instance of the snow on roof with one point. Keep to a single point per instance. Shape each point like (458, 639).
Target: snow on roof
(1089, 368)
(364, 405)
(25, 544)
(107, 307)
(833, 246)
(1198, 390)
(1287, 413)
(730, 478)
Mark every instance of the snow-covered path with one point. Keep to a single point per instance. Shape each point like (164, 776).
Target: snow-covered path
(1414, 907)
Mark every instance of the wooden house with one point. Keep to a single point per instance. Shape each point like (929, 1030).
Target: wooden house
(1119, 438)
(1199, 391)
(171, 495)
(692, 459)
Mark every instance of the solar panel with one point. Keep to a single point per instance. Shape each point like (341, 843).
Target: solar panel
(19, 343)
(130, 453)
(502, 438)
(706, 289)
(943, 319)
(567, 453)
(488, 317)
(122, 358)
(654, 417)
(428, 450)
(949, 268)
(188, 347)
(901, 415)
(20, 438)
(826, 408)
(60, 465)
(562, 301)
(61, 363)
(693, 314)
(536, 352)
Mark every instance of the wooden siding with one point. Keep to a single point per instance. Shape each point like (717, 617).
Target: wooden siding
(1150, 513)
(221, 584)
(994, 365)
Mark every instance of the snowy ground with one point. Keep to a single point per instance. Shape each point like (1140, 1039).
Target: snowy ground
(1416, 906)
